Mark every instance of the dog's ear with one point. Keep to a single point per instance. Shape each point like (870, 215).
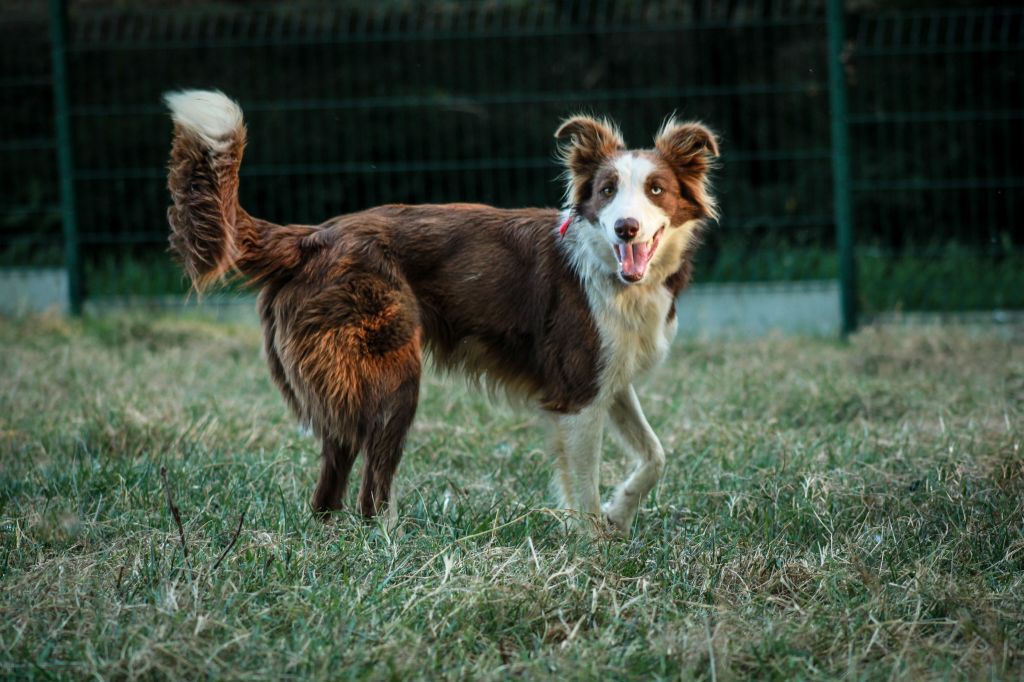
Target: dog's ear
(691, 149)
(584, 144)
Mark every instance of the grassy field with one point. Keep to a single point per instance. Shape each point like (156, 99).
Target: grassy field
(828, 510)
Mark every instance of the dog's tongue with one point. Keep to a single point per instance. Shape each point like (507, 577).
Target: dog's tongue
(633, 258)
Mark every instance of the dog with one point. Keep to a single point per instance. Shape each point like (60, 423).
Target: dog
(564, 309)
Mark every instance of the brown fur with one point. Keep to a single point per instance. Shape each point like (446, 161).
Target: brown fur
(586, 143)
(690, 150)
(205, 211)
(349, 307)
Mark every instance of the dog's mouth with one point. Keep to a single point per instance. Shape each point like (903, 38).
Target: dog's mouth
(636, 256)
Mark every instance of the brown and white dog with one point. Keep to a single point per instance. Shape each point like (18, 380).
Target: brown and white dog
(565, 309)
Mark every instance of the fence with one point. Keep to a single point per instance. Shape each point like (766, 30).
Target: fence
(409, 102)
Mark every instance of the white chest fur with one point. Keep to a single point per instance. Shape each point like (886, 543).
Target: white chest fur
(635, 332)
(632, 320)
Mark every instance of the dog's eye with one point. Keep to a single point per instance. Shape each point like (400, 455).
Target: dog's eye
(655, 189)
(607, 190)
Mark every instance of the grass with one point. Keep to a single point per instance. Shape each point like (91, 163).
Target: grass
(828, 510)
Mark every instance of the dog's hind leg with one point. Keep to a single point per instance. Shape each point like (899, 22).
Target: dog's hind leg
(351, 348)
(278, 374)
(628, 419)
(336, 461)
(384, 443)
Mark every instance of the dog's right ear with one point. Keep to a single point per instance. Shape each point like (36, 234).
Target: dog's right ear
(584, 144)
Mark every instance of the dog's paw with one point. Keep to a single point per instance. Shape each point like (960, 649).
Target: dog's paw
(616, 521)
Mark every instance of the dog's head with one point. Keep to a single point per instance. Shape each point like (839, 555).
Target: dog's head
(640, 206)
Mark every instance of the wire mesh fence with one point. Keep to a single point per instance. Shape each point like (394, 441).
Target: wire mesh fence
(367, 103)
(936, 116)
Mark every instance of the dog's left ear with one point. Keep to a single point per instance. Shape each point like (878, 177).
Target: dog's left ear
(691, 149)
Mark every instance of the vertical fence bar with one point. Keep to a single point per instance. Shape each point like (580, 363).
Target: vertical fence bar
(65, 157)
(842, 206)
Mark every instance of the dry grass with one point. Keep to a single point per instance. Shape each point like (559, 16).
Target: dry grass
(828, 510)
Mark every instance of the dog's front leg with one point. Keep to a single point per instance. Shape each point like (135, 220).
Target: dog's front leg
(578, 446)
(628, 419)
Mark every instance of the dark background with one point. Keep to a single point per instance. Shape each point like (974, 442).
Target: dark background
(355, 104)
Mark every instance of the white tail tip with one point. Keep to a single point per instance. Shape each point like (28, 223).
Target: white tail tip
(210, 114)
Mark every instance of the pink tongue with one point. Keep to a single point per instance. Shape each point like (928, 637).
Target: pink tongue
(634, 258)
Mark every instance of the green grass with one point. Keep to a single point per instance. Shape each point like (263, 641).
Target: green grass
(827, 510)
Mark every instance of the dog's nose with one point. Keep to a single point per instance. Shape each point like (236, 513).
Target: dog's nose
(626, 228)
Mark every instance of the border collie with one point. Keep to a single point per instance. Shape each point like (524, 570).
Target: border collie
(563, 309)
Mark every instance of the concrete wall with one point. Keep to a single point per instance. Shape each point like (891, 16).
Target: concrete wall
(237, 308)
(754, 309)
(33, 290)
(705, 310)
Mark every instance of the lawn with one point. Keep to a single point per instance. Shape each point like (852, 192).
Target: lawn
(828, 510)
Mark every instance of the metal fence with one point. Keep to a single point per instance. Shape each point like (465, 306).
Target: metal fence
(355, 105)
(936, 114)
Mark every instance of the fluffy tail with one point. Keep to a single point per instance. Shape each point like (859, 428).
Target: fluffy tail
(210, 233)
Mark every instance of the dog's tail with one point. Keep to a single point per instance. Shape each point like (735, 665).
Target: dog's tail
(210, 233)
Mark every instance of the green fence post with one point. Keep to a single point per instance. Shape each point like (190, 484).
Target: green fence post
(65, 157)
(842, 206)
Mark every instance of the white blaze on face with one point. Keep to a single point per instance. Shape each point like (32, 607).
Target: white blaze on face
(631, 201)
